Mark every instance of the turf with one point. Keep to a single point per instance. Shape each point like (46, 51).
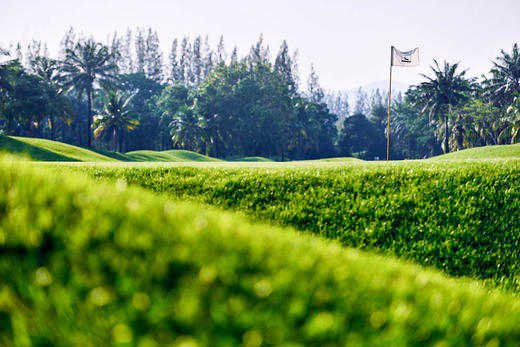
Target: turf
(86, 263)
(47, 150)
(487, 152)
(168, 156)
(252, 159)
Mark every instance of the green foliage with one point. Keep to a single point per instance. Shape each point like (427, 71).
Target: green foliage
(461, 217)
(85, 264)
(116, 117)
(439, 94)
(362, 138)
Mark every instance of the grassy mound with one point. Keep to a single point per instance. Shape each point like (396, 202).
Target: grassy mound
(252, 159)
(168, 156)
(341, 159)
(51, 150)
(457, 216)
(487, 152)
(47, 150)
(85, 264)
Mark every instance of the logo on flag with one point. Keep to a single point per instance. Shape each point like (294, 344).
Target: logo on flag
(410, 58)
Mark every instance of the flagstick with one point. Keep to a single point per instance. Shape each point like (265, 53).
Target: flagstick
(389, 103)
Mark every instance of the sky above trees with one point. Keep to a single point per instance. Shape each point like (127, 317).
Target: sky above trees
(348, 41)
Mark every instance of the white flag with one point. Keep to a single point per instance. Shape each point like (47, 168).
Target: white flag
(410, 58)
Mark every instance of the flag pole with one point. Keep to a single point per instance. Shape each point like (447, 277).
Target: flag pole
(389, 103)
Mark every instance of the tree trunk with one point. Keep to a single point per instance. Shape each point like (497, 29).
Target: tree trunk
(114, 136)
(53, 131)
(89, 108)
(446, 135)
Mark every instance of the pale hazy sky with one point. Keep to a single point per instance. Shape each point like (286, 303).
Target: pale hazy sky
(348, 41)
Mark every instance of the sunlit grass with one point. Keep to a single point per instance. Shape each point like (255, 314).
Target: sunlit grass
(86, 263)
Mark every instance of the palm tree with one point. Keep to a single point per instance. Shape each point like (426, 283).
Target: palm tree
(438, 95)
(115, 117)
(504, 83)
(188, 128)
(58, 105)
(511, 123)
(89, 62)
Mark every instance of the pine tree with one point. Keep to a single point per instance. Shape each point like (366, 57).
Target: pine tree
(18, 52)
(153, 57)
(362, 104)
(126, 53)
(234, 55)
(185, 61)
(174, 75)
(221, 55)
(258, 52)
(115, 47)
(207, 59)
(196, 63)
(140, 51)
(316, 93)
(68, 42)
(283, 65)
(295, 70)
(34, 50)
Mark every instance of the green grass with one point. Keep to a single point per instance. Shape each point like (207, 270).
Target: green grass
(487, 152)
(29, 151)
(47, 150)
(252, 159)
(169, 156)
(98, 264)
(461, 217)
(59, 149)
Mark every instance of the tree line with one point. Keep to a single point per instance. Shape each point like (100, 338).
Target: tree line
(126, 95)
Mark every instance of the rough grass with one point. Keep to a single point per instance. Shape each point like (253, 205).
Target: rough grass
(97, 264)
(461, 217)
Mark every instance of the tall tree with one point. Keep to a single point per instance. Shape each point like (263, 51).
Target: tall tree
(185, 60)
(196, 63)
(208, 58)
(504, 84)
(67, 42)
(221, 56)
(58, 106)
(153, 57)
(140, 51)
(284, 65)
(259, 52)
(187, 128)
(127, 63)
(316, 93)
(362, 105)
(447, 89)
(174, 73)
(116, 118)
(234, 55)
(89, 62)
